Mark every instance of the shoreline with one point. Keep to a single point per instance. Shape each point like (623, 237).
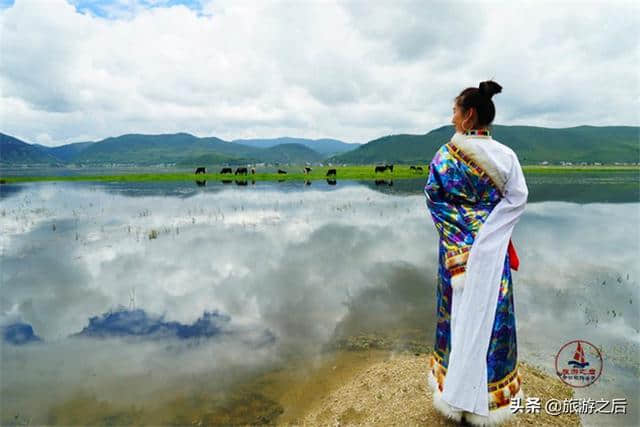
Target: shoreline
(342, 173)
(390, 388)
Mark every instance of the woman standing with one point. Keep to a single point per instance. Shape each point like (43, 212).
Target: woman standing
(476, 193)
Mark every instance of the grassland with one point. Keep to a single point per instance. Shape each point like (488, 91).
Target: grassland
(365, 172)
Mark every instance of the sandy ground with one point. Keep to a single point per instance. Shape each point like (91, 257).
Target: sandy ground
(346, 387)
(395, 392)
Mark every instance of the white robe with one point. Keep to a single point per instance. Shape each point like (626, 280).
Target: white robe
(475, 300)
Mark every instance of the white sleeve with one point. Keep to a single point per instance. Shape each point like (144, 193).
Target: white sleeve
(465, 384)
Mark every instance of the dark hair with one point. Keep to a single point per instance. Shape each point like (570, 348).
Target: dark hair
(480, 99)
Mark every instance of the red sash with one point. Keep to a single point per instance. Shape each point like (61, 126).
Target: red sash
(514, 262)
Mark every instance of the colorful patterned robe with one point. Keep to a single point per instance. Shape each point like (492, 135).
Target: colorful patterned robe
(460, 195)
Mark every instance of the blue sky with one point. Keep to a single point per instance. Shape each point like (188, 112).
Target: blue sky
(113, 9)
(347, 69)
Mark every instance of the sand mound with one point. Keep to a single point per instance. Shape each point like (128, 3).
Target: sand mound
(395, 392)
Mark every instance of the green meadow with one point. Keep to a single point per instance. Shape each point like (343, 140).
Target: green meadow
(365, 172)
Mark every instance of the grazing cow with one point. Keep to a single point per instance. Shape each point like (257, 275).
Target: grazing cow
(380, 169)
(281, 171)
(201, 170)
(412, 168)
(307, 169)
(419, 169)
(201, 183)
(331, 172)
(226, 170)
(253, 171)
(241, 171)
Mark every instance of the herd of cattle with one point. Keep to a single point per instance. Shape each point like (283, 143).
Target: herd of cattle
(306, 170)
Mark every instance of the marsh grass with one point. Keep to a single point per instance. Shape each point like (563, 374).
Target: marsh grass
(295, 173)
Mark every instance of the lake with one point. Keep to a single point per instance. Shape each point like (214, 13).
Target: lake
(125, 301)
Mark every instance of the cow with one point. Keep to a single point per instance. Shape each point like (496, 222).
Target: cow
(241, 171)
(331, 172)
(281, 171)
(390, 168)
(419, 169)
(381, 168)
(413, 168)
(226, 170)
(253, 171)
(306, 170)
(201, 170)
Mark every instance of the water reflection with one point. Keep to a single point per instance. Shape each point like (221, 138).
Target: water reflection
(287, 268)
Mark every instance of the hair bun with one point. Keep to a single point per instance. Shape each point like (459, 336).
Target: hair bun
(489, 88)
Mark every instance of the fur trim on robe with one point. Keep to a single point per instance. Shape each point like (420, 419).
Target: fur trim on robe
(495, 418)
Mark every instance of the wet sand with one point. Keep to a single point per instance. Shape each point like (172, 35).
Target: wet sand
(363, 386)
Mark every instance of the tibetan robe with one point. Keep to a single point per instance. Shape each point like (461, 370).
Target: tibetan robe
(475, 194)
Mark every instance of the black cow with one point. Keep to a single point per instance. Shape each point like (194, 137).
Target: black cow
(381, 168)
(412, 168)
(241, 171)
(226, 170)
(331, 172)
(201, 170)
(281, 171)
(307, 169)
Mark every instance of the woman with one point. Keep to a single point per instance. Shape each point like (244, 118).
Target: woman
(476, 193)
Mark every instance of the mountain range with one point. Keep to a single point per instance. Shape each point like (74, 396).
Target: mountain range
(605, 144)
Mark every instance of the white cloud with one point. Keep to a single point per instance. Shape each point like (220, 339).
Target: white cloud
(350, 70)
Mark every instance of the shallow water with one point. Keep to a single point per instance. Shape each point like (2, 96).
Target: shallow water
(183, 293)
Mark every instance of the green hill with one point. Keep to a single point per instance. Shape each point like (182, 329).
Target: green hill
(13, 150)
(323, 146)
(605, 144)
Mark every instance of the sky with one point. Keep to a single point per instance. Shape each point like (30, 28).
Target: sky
(80, 70)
